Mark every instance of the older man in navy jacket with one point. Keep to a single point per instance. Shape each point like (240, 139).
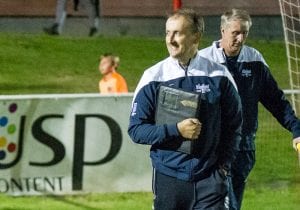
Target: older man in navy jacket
(255, 84)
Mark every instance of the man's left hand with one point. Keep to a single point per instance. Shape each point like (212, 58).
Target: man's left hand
(295, 142)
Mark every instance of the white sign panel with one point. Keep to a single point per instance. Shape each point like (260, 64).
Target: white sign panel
(67, 144)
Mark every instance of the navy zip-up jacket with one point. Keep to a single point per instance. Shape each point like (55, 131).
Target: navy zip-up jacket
(220, 115)
(255, 84)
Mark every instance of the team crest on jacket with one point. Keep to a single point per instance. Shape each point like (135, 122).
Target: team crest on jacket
(246, 73)
(202, 88)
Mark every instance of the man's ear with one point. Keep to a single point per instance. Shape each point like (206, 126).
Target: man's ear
(197, 38)
(222, 30)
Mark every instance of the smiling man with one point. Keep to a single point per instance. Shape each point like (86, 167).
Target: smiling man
(197, 179)
(255, 84)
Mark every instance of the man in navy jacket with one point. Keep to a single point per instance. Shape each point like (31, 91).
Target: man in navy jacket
(194, 180)
(255, 84)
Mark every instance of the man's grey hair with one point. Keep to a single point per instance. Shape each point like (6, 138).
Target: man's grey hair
(196, 20)
(235, 14)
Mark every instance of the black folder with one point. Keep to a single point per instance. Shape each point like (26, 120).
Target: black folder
(175, 105)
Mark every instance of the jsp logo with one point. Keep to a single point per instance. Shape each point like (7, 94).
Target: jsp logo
(12, 141)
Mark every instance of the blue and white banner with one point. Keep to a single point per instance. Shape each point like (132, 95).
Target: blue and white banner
(68, 144)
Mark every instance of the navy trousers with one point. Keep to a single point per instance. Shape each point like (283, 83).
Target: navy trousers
(209, 193)
(240, 170)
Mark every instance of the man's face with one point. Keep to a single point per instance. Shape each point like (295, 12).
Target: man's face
(234, 35)
(182, 44)
(105, 65)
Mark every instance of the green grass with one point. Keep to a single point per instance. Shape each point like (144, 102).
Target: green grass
(43, 64)
(111, 201)
(271, 198)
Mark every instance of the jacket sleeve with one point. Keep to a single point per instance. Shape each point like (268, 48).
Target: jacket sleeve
(142, 128)
(275, 101)
(231, 123)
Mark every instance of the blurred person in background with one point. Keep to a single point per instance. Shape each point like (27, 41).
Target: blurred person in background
(255, 84)
(112, 81)
(91, 7)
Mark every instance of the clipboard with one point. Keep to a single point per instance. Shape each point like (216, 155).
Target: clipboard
(175, 105)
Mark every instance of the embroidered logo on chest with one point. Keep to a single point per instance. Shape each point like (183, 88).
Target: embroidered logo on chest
(202, 88)
(246, 73)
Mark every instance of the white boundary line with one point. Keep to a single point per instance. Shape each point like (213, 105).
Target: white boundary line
(87, 95)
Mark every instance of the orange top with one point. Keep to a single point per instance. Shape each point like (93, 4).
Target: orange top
(114, 83)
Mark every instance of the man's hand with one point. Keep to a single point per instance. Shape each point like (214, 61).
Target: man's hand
(295, 142)
(189, 128)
